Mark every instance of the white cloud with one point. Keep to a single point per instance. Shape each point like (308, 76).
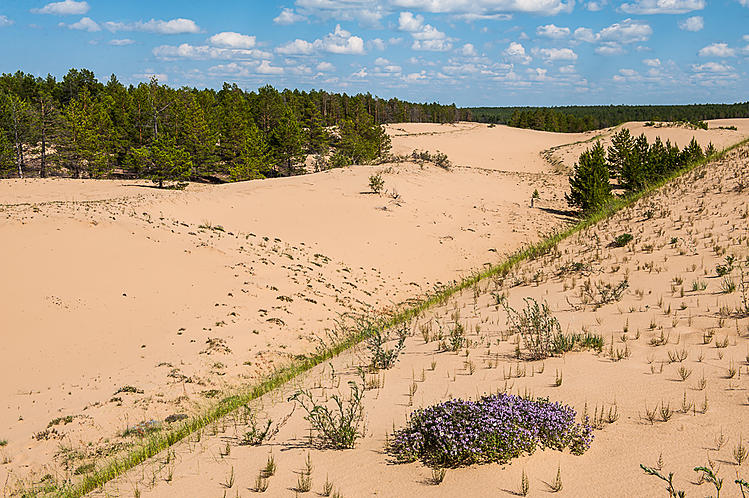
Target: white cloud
(547, 7)
(432, 45)
(409, 22)
(627, 31)
(121, 42)
(717, 50)
(170, 27)
(4, 21)
(596, 5)
(555, 54)
(162, 77)
(569, 69)
(426, 36)
(468, 50)
(339, 41)
(85, 24)
(652, 62)
(266, 68)
(232, 40)
(64, 8)
(552, 31)
(412, 77)
(694, 23)
(609, 49)
(662, 6)
(202, 52)
(376, 44)
(712, 67)
(288, 16)
(745, 38)
(585, 34)
(362, 73)
(483, 17)
(325, 67)
(367, 12)
(516, 53)
(296, 47)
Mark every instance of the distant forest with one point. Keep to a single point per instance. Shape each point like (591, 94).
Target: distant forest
(571, 119)
(81, 127)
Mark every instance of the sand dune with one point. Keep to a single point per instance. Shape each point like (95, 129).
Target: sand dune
(658, 327)
(123, 303)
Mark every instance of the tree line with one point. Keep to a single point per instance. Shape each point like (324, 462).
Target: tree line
(78, 126)
(573, 119)
(632, 162)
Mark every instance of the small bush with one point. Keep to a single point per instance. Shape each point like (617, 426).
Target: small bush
(536, 326)
(380, 355)
(496, 428)
(622, 240)
(338, 427)
(376, 183)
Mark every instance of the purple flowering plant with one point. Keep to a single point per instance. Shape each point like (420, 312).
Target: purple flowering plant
(496, 428)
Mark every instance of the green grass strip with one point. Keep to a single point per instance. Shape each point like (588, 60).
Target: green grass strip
(158, 442)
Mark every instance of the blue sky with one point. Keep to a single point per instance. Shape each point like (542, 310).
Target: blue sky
(471, 52)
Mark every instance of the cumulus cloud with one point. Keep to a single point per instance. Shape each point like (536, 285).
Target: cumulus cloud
(121, 42)
(376, 44)
(325, 67)
(712, 67)
(232, 39)
(366, 12)
(85, 24)
(148, 75)
(339, 41)
(652, 62)
(627, 31)
(717, 50)
(265, 67)
(596, 5)
(662, 6)
(288, 16)
(516, 53)
(695, 23)
(64, 8)
(426, 36)
(202, 52)
(585, 34)
(555, 54)
(552, 31)
(4, 21)
(171, 27)
(545, 7)
(468, 50)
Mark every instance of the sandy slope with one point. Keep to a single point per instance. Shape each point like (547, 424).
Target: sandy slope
(182, 295)
(657, 316)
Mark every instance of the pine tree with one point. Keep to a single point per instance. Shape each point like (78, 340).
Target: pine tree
(286, 143)
(318, 138)
(254, 157)
(589, 184)
(88, 141)
(163, 161)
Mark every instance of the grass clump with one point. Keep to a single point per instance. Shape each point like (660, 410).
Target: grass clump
(496, 428)
(338, 427)
(622, 240)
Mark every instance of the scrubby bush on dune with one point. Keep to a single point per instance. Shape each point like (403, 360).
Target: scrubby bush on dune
(496, 428)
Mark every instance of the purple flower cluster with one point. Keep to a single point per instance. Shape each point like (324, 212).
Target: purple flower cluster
(496, 428)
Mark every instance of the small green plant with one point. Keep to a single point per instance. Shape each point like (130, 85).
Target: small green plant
(338, 427)
(536, 325)
(709, 476)
(376, 183)
(525, 484)
(327, 488)
(380, 355)
(270, 466)
(740, 452)
(622, 240)
(672, 492)
(304, 481)
(556, 485)
(438, 475)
